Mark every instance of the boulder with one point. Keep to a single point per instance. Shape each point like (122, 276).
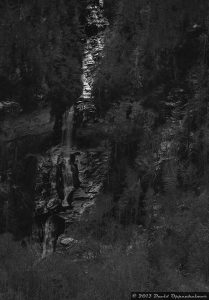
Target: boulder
(67, 241)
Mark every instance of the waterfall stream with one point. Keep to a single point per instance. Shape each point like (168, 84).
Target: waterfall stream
(49, 240)
(51, 226)
(67, 146)
(91, 56)
(67, 130)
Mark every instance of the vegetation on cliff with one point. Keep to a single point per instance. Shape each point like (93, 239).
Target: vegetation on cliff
(150, 229)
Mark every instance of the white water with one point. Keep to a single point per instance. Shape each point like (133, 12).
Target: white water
(93, 50)
(67, 145)
(101, 3)
(49, 238)
(67, 130)
(50, 227)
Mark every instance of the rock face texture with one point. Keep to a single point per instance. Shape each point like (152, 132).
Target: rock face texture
(57, 202)
(93, 52)
(93, 167)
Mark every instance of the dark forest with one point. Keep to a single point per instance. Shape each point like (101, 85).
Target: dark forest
(104, 148)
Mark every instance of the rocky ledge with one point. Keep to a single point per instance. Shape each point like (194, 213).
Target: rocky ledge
(93, 165)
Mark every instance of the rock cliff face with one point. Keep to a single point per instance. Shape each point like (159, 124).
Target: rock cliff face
(56, 202)
(93, 166)
(55, 194)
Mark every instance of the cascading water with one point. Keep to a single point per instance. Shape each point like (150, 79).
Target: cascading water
(93, 52)
(68, 130)
(50, 228)
(54, 226)
(49, 238)
(67, 147)
(101, 3)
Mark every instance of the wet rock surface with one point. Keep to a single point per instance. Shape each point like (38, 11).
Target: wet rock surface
(93, 52)
(56, 198)
(93, 168)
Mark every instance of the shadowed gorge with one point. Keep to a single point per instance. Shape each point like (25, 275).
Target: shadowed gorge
(104, 148)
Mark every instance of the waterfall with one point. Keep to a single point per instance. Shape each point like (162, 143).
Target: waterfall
(101, 3)
(54, 226)
(93, 52)
(50, 227)
(67, 147)
(49, 238)
(68, 130)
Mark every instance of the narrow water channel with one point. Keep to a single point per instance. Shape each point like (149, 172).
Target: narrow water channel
(85, 104)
